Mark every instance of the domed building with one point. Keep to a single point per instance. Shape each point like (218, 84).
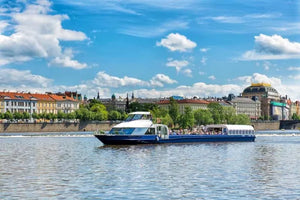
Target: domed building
(261, 90)
(270, 100)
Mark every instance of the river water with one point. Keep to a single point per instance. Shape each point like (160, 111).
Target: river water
(80, 167)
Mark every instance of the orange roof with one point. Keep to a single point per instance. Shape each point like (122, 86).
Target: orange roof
(61, 98)
(183, 101)
(43, 97)
(16, 96)
(38, 97)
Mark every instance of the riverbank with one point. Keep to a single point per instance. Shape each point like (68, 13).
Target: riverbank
(56, 127)
(91, 126)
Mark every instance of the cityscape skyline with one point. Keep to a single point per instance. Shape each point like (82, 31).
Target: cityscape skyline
(151, 48)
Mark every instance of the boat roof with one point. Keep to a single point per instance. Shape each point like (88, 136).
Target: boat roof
(231, 126)
(140, 113)
(135, 124)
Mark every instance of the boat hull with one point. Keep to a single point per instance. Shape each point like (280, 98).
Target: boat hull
(154, 139)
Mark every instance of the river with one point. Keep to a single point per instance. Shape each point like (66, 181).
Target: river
(79, 167)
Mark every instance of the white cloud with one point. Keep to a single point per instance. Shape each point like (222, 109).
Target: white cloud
(212, 77)
(188, 72)
(156, 30)
(294, 68)
(272, 48)
(65, 60)
(12, 78)
(178, 64)
(105, 80)
(160, 79)
(177, 42)
(228, 19)
(204, 50)
(203, 60)
(37, 34)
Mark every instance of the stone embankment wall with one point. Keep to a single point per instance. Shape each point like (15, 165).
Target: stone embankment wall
(55, 127)
(92, 126)
(266, 125)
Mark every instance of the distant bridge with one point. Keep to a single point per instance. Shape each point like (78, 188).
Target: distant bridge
(289, 124)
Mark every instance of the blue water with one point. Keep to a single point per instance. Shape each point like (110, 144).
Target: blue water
(79, 167)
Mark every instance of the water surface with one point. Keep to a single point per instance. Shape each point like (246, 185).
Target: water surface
(71, 167)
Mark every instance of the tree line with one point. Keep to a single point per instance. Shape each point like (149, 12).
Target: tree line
(214, 114)
(95, 110)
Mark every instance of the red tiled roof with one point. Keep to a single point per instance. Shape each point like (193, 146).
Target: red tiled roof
(16, 95)
(61, 98)
(183, 101)
(43, 97)
(39, 97)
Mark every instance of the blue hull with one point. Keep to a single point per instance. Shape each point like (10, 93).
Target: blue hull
(154, 139)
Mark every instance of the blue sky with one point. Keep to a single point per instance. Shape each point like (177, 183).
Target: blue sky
(150, 47)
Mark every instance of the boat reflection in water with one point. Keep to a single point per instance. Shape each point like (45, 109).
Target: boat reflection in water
(138, 128)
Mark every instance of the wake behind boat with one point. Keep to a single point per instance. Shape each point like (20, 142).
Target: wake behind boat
(138, 128)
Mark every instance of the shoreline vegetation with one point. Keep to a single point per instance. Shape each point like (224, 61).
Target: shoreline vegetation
(95, 116)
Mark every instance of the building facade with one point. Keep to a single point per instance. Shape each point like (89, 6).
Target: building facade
(194, 104)
(45, 104)
(36, 103)
(247, 106)
(18, 102)
(269, 97)
(64, 104)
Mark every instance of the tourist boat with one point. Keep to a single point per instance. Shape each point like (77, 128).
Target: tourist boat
(138, 128)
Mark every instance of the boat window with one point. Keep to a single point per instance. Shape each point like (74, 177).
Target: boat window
(150, 131)
(139, 131)
(129, 118)
(121, 131)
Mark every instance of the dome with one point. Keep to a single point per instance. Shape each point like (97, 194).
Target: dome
(260, 88)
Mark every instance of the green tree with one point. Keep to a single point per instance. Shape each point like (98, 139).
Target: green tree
(242, 119)
(8, 115)
(203, 117)
(114, 115)
(1, 115)
(167, 120)
(229, 115)
(61, 115)
(174, 110)
(295, 117)
(35, 115)
(186, 120)
(217, 112)
(158, 114)
(99, 108)
(71, 115)
(17, 115)
(26, 115)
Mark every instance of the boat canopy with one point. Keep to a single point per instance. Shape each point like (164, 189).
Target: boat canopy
(140, 113)
(231, 129)
(139, 116)
(135, 124)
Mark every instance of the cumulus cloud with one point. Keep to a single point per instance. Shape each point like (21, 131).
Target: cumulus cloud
(37, 34)
(177, 42)
(204, 50)
(272, 48)
(12, 78)
(294, 68)
(203, 60)
(178, 64)
(212, 77)
(160, 79)
(103, 79)
(188, 72)
(66, 60)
